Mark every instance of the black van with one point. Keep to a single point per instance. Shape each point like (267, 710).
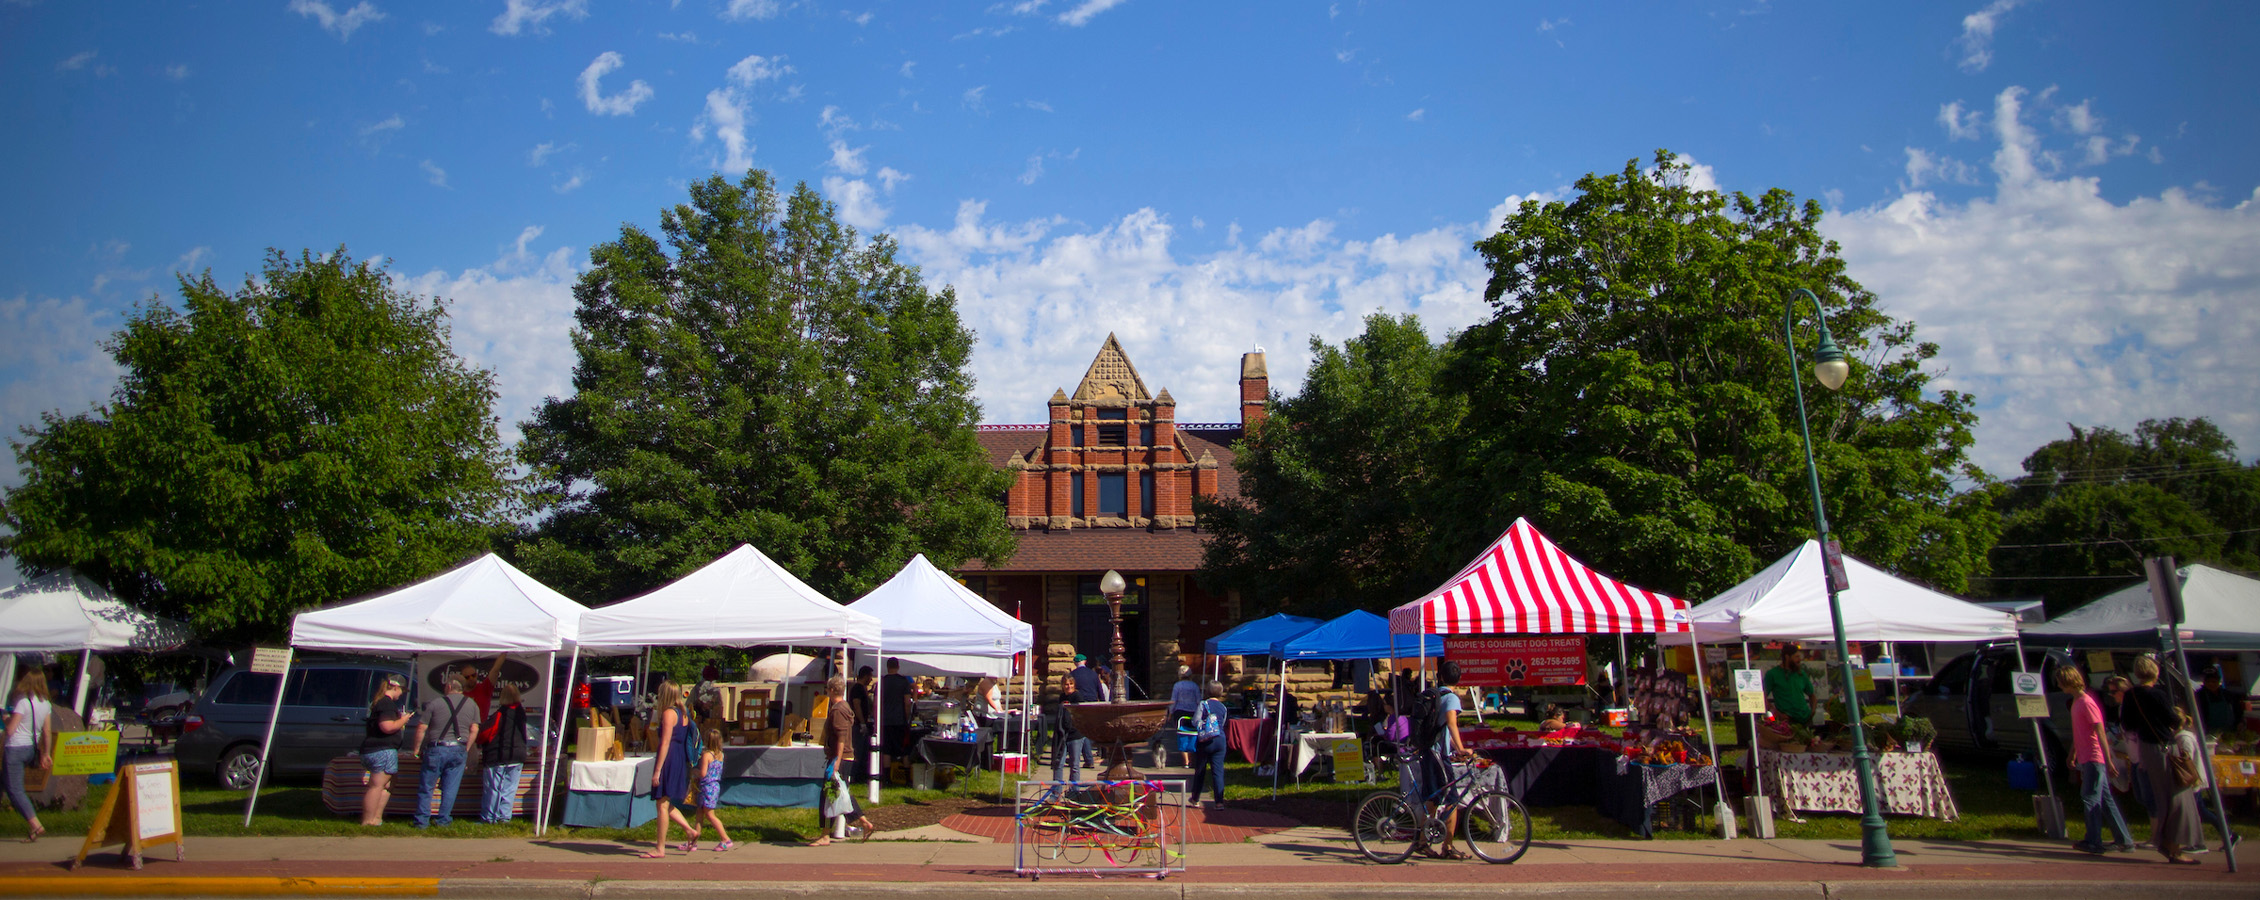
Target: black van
(323, 711)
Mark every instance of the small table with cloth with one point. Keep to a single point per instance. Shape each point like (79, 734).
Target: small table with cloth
(1593, 776)
(1912, 784)
(1310, 748)
(617, 793)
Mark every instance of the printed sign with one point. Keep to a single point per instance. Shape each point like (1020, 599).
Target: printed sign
(432, 670)
(1517, 661)
(2025, 683)
(2099, 662)
(86, 752)
(153, 800)
(1750, 691)
(270, 660)
(1349, 760)
(2032, 706)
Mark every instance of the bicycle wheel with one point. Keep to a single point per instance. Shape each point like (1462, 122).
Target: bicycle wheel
(1386, 827)
(1496, 826)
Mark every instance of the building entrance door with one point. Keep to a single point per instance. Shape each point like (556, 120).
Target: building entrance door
(1094, 631)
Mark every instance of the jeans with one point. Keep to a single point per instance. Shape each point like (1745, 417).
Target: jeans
(2212, 814)
(1070, 756)
(19, 759)
(1208, 766)
(501, 792)
(2102, 808)
(444, 765)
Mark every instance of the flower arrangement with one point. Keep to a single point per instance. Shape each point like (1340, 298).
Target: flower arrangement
(1916, 732)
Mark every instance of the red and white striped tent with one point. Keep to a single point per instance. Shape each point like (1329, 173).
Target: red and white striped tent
(1523, 584)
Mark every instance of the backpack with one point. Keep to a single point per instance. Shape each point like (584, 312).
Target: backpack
(694, 744)
(1428, 717)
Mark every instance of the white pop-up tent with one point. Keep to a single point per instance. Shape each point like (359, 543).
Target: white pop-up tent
(482, 606)
(64, 611)
(1788, 601)
(2220, 611)
(934, 622)
(742, 599)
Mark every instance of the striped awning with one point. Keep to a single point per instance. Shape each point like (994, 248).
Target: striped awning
(1523, 584)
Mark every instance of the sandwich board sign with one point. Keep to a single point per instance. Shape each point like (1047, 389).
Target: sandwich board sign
(141, 811)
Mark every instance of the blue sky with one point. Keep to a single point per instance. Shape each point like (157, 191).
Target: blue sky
(2058, 193)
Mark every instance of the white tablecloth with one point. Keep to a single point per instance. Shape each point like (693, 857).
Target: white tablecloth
(1310, 748)
(626, 776)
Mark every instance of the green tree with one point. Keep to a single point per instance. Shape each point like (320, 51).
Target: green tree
(1631, 395)
(1336, 483)
(306, 439)
(2092, 506)
(770, 381)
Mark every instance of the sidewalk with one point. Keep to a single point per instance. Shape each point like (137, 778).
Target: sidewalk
(1305, 862)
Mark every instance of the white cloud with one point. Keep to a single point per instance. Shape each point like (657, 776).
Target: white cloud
(1924, 167)
(683, 37)
(187, 261)
(539, 156)
(1960, 124)
(848, 160)
(177, 72)
(2054, 305)
(755, 69)
(569, 185)
(1417, 115)
(858, 203)
(974, 98)
(1037, 105)
(888, 178)
(77, 61)
(1545, 25)
(2079, 119)
(533, 15)
(395, 123)
(514, 317)
(55, 362)
(620, 104)
(833, 122)
(727, 116)
(1977, 34)
(1082, 13)
(909, 67)
(1042, 297)
(433, 173)
(1034, 171)
(742, 10)
(861, 18)
(342, 24)
(1028, 7)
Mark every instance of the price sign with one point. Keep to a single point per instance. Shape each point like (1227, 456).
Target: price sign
(270, 660)
(2032, 707)
(1501, 661)
(2099, 662)
(1349, 760)
(1750, 691)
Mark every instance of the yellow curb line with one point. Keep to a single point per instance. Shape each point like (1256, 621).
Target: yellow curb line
(242, 886)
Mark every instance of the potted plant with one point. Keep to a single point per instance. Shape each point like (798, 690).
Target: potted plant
(1800, 738)
(1916, 733)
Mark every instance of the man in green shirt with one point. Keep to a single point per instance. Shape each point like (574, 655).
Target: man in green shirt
(1789, 691)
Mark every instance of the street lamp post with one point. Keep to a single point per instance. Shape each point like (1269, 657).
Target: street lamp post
(1831, 368)
(1112, 585)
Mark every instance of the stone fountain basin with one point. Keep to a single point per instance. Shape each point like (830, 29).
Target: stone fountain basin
(1124, 722)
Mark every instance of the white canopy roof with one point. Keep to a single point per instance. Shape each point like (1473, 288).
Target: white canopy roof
(64, 610)
(1789, 602)
(933, 620)
(2220, 610)
(483, 606)
(742, 599)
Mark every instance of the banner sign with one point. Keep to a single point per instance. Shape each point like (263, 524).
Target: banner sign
(526, 672)
(1517, 661)
(1750, 692)
(86, 752)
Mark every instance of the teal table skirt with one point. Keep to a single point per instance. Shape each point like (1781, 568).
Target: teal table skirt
(606, 809)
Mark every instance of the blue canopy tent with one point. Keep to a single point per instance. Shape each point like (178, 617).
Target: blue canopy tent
(1356, 635)
(1251, 638)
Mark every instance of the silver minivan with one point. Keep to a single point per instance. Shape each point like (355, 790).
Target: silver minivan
(324, 709)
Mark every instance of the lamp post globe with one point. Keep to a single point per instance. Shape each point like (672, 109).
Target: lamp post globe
(1112, 585)
(1831, 369)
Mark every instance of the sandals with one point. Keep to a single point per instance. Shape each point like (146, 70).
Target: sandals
(724, 847)
(866, 826)
(687, 847)
(651, 854)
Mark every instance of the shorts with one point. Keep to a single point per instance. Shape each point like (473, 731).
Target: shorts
(381, 762)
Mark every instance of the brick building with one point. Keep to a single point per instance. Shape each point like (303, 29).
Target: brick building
(1108, 483)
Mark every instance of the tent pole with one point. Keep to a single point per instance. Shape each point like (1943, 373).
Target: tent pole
(548, 672)
(878, 717)
(1624, 663)
(1756, 776)
(1279, 731)
(85, 671)
(564, 720)
(2039, 743)
(1703, 700)
(1898, 706)
(259, 775)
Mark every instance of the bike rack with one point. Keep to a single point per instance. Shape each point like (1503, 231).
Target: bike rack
(1024, 863)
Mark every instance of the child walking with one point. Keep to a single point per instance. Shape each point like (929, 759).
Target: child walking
(708, 770)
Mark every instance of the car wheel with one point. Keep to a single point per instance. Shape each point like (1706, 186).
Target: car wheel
(161, 714)
(238, 768)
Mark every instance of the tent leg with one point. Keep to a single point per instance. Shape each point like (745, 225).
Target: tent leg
(564, 721)
(878, 720)
(542, 752)
(2039, 743)
(1279, 733)
(1703, 701)
(85, 673)
(259, 776)
(1624, 665)
(1755, 775)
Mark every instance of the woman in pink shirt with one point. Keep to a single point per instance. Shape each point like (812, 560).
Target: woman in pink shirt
(2095, 766)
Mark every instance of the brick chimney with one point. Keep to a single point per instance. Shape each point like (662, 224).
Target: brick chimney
(1255, 388)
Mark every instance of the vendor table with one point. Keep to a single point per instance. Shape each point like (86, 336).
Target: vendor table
(1592, 776)
(1912, 783)
(1253, 739)
(344, 782)
(2235, 772)
(617, 793)
(1310, 748)
(941, 751)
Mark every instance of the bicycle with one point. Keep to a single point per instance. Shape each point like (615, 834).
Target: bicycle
(1068, 829)
(1389, 829)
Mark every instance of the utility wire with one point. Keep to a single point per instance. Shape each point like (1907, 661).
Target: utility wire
(2117, 541)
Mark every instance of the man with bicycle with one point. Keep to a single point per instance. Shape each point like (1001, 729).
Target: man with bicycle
(1442, 750)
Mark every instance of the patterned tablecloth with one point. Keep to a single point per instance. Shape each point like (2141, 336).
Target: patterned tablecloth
(1912, 783)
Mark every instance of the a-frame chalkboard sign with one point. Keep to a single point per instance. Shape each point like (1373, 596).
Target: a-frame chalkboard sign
(141, 811)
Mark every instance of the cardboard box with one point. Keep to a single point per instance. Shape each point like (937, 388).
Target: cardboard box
(592, 744)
